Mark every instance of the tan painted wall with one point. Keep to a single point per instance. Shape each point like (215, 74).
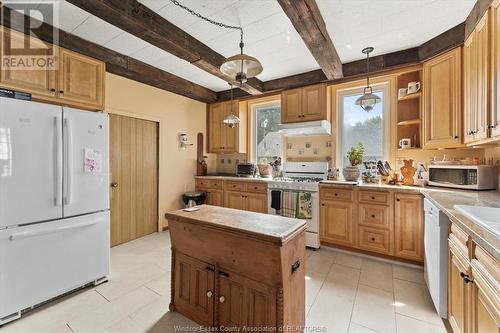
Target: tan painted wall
(175, 114)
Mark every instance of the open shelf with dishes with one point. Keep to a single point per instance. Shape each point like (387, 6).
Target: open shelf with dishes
(409, 109)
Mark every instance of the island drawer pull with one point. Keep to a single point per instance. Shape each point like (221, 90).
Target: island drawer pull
(209, 293)
(222, 299)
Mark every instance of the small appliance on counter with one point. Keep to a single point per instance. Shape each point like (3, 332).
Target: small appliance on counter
(467, 177)
(192, 199)
(246, 170)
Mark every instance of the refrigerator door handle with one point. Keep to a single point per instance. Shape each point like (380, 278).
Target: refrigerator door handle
(69, 161)
(27, 234)
(58, 162)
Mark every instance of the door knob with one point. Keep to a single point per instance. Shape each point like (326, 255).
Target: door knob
(114, 184)
(209, 293)
(222, 299)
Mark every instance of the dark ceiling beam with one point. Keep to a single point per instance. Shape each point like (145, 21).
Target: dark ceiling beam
(144, 23)
(307, 20)
(444, 42)
(477, 12)
(116, 63)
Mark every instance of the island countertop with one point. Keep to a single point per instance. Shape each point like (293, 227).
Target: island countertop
(274, 228)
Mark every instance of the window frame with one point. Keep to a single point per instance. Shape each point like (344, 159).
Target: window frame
(384, 87)
(271, 101)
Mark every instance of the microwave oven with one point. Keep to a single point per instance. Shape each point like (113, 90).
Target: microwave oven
(246, 169)
(467, 177)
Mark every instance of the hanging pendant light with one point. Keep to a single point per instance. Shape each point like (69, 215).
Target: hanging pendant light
(239, 67)
(369, 99)
(231, 120)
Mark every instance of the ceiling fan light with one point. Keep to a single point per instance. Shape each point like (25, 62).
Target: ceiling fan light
(241, 67)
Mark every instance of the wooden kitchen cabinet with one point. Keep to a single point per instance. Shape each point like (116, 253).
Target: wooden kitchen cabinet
(81, 79)
(337, 222)
(409, 226)
(443, 100)
(195, 288)
(458, 292)
(75, 80)
(223, 139)
(40, 83)
(477, 82)
(214, 197)
(213, 189)
(251, 196)
(304, 104)
(495, 70)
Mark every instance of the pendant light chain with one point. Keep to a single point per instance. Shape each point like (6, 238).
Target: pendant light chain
(220, 24)
(367, 69)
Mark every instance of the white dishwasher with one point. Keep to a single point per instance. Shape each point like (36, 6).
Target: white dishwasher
(436, 256)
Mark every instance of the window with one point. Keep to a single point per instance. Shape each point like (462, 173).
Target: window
(268, 142)
(369, 128)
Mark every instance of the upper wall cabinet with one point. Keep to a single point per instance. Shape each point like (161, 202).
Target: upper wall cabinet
(442, 101)
(304, 104)
(78, 80)
(40, 83)
(477, 69)
(223, 139)
(81, 79)
(495, 66)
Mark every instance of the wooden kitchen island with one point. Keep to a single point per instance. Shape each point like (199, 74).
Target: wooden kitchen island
(234, 268)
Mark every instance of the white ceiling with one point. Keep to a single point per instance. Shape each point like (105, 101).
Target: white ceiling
(387, 25)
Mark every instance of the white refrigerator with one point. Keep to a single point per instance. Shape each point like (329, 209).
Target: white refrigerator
(54, 202)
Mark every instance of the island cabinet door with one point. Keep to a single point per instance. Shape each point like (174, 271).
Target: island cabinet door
(245, 302)
(194, 289)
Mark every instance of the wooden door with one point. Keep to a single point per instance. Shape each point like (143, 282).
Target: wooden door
(470, 88)
(235, 200)
(40, 83)
(409, 226)
(194, 289)
(483, 77)
(442, 101)
(215, 117)
(495, 69)
(214, 197)
(291, 106)
(81, 79)
(134, 178)
(229, 134)
(337, 222)
(314, 103)
(256, 202)
(458, 294)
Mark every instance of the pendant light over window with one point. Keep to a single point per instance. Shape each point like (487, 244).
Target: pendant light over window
(369, 99)
(239, 67)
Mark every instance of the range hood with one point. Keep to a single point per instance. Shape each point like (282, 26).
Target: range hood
(321, 127)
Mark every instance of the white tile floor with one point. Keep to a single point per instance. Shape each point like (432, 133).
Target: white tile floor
(344, 293)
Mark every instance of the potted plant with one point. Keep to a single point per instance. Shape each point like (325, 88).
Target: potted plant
(355, 156)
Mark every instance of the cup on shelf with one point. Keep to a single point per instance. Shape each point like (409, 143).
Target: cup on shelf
(413, 87)
(402, 92)
(405, 143)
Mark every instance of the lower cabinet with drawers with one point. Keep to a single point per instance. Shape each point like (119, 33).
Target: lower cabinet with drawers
(473, 286)
(377, 221)
(244, 195)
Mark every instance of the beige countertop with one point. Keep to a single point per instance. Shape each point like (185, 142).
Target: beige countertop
(443, 198)
(241, 179)
(274, 228)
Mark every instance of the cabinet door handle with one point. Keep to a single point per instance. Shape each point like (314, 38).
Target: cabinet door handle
(373, 239)
(336, 194)
(456, 137)
(223, 273)
(209, 293)
(398, 199)
(210, 268)
(222, 299)
(491, 126)
(322, 204)
(61, 91)
(373, 198)
(373, 216)
(53, 90)
(466, 277)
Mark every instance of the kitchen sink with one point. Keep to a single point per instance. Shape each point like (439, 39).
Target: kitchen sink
(488, 217)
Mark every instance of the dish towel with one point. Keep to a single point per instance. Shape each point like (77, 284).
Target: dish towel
(276, 200)
(289, 207)
(304, 205)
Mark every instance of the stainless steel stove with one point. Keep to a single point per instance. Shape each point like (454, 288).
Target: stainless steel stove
(300, 177)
